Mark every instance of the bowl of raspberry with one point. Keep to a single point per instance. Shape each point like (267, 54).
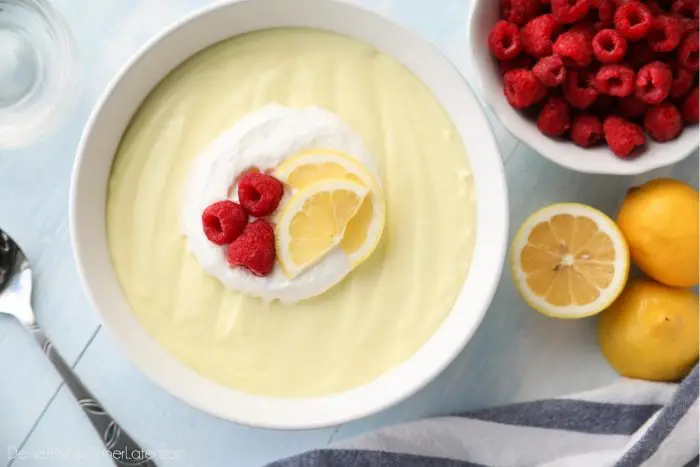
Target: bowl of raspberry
(597, 86)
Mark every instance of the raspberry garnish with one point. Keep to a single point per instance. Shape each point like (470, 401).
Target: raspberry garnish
(555, 117)
(633, 20)
(630, 107)
(688, 51)
(259, 194)
(574, 47)
(223, 222)
(538, 35)
(586, 130)
(254, 249)
(622, 136)
(664, 34)
(615, 80)
(682, 82)
(663, 122)
(690, 107)
(523, 61)
(579, 89)
(570, 11)
(519, 11)
(504, 40)
(522, 89)
(609, 46)
(653, 82)
(550, 71)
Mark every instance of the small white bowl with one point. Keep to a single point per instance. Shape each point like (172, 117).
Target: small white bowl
(104, 131)
(483, 15)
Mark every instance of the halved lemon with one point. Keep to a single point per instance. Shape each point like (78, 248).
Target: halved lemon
(569, 261)
(365, 229)
(315, 220)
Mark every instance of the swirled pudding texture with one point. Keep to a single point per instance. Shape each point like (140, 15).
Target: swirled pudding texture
(383, 311)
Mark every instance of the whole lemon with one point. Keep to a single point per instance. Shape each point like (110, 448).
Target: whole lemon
(660, 222)
(651, 331)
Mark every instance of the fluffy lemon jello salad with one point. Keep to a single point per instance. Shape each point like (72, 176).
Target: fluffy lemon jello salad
(291, 213)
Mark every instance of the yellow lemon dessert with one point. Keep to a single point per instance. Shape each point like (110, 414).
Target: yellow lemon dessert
(316, 287)
(651, 331)
(660, 221)
(569, 261)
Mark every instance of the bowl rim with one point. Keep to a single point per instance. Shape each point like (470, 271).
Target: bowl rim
(337, 408)
(551, 149)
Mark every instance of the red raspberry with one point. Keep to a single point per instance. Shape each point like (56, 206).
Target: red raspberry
(630, 107)
(633, 20)
(574, 47)
(689, 25)
(550, 71)
(555, 117)
(609, 46)
(254, 249)
(655, 8)
(606, 12)
(615, 80)
(688, 51)
(579, 89)
(504, 40)
(223, 222)
(522, 89)
(653, 82)
(664, 34)
(259, 194)
(538, 35)
(685, 8)
(682, 82)
(640, 54)
(690, 107)
(521, 61)
(663, 122)
(519, 11)
(570, 11)
(622, 136)
(586, 130)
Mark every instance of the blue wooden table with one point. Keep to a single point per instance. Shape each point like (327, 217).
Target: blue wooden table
(516, 354)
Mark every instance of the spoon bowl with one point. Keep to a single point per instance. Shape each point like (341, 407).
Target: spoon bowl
(16, 300)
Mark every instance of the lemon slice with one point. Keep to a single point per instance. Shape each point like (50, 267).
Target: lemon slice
(365, 229)
(315, 220)
(569, 261)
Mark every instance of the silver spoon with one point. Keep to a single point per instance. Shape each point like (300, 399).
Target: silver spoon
(15, 300)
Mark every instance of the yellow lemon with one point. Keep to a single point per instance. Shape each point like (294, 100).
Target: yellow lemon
(365, 229)
(660, 222)
(314, 221)
(651, 331)
(569, 261)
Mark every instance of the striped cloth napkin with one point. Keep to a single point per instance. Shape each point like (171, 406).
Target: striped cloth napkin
(630, 423)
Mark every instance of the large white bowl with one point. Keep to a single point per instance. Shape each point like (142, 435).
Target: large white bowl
(104, 131)
(483, 15)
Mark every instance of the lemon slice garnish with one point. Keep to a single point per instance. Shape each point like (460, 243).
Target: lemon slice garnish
(569, 261)
(315, 220)
(365, 229)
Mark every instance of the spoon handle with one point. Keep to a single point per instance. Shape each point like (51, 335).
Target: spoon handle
(122, 449)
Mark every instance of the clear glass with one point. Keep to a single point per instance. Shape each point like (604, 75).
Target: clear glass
(39, 81)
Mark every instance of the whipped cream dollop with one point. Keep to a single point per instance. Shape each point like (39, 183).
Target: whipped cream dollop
(263, 139)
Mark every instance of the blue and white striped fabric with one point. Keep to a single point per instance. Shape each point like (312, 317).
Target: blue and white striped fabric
(628, 424)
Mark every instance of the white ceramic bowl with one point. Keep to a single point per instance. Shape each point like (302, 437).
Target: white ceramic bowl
(483, 15)
(104, 131)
